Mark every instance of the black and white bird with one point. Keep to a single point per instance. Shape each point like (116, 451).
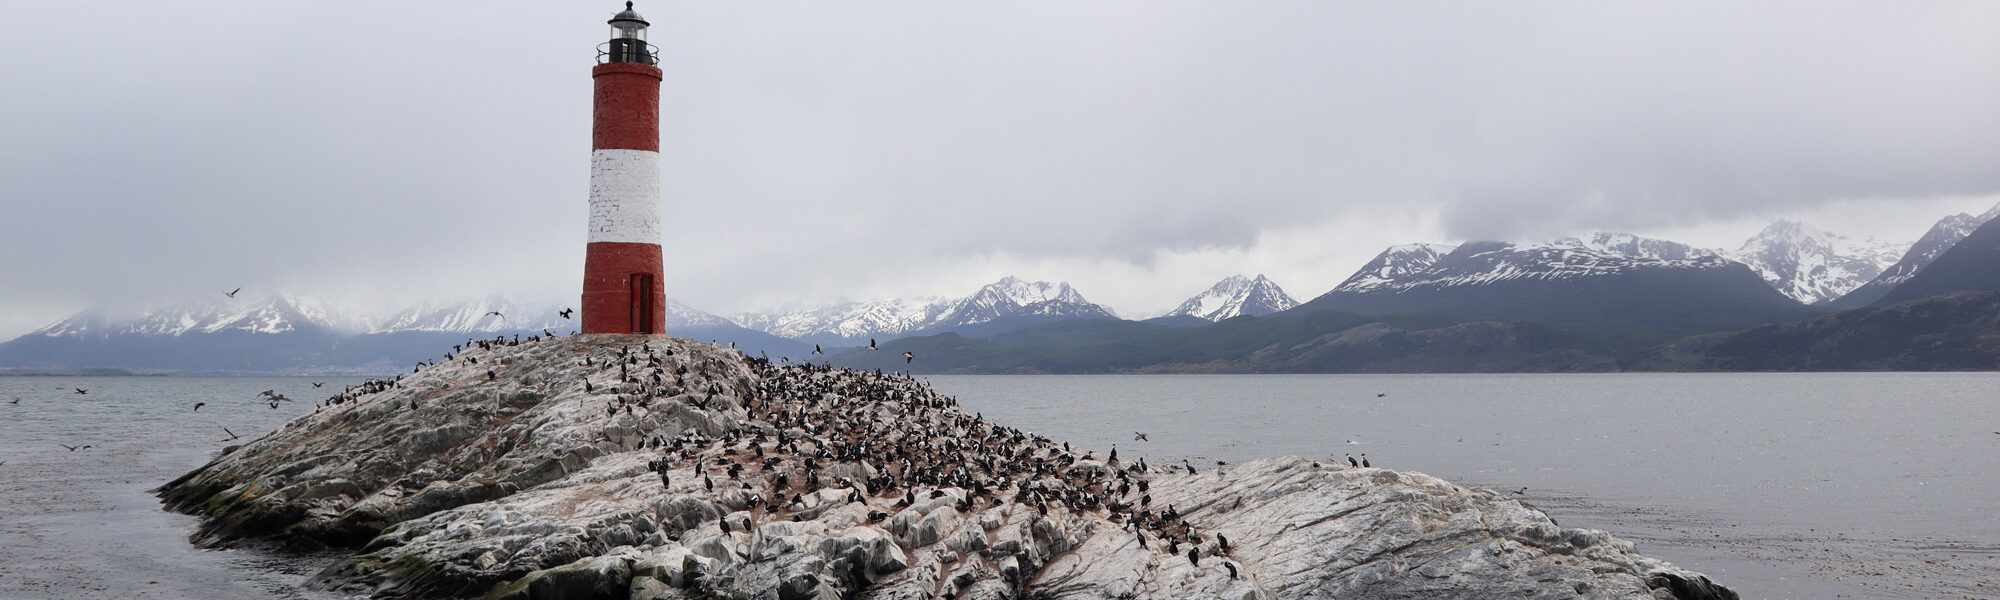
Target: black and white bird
(231, 293)
(1139, 436)
(816, 349)
(871, 344)
(908, 356)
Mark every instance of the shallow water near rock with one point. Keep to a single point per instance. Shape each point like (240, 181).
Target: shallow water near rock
(1780, 486)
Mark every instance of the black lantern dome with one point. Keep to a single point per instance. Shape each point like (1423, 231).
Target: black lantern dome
(628, 38)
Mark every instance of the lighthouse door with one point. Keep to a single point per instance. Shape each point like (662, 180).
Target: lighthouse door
(642, 303)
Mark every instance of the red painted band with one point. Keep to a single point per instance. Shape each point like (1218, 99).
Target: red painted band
(627, 107)
(609, 305)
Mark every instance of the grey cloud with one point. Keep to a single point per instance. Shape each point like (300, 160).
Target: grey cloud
(431, 147)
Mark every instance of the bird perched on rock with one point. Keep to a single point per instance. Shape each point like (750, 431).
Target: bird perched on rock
(1364, 460)
(1232, 569)
(1351, 462)
(1194, 556)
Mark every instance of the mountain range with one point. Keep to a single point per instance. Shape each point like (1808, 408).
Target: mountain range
(1590, 302)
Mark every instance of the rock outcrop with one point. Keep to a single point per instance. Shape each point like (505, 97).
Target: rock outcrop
(629, 467)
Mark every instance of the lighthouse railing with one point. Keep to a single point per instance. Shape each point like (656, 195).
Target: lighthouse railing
(605, 53)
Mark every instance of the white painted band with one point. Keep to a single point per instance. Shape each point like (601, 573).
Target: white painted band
(625, 196)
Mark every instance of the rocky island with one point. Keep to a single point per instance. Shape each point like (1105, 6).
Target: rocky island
(649, 467)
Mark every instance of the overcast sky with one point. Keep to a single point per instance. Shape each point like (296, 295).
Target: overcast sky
(379, 152)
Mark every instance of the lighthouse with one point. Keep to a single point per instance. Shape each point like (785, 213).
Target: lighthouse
(621, 268)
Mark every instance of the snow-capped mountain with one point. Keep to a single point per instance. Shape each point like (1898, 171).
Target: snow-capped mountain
(1971, 264)
(1416, 266)
(295, 334)
(1941, 237)
(1813, 265)
(1398, 263)
(276, 314)
(1599, 280)
(1013, 297)
(1003, 305)
(1234, 296)
(848, 322)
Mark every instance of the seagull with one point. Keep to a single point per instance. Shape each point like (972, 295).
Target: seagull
(82, 391)
(565, 313)
(198, 405)
(232, 293)
(1139, 436)
(871, 344)
(908, 356)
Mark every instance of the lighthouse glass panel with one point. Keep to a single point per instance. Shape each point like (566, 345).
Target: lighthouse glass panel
(628, 30)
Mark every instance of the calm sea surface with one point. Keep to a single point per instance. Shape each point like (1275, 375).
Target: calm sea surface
(1778, 485)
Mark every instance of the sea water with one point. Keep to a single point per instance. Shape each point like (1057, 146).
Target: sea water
(1777, 485)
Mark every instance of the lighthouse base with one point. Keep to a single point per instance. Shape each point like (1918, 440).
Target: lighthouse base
(621, 289)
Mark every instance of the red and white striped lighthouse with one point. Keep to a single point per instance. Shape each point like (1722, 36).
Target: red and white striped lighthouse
(621, 271)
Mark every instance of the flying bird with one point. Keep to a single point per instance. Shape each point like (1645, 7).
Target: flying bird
(82, 391)
(232, 293)
(74, 448)
(1382, 395)
(908, 356)
(565, 313)
(232, 435)
(816, 350)
(198, 405)
(495, 313)
(318, 383)
(871, 344)
(17, 400)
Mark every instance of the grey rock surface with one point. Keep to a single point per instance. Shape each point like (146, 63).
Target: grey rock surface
(631, 467)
